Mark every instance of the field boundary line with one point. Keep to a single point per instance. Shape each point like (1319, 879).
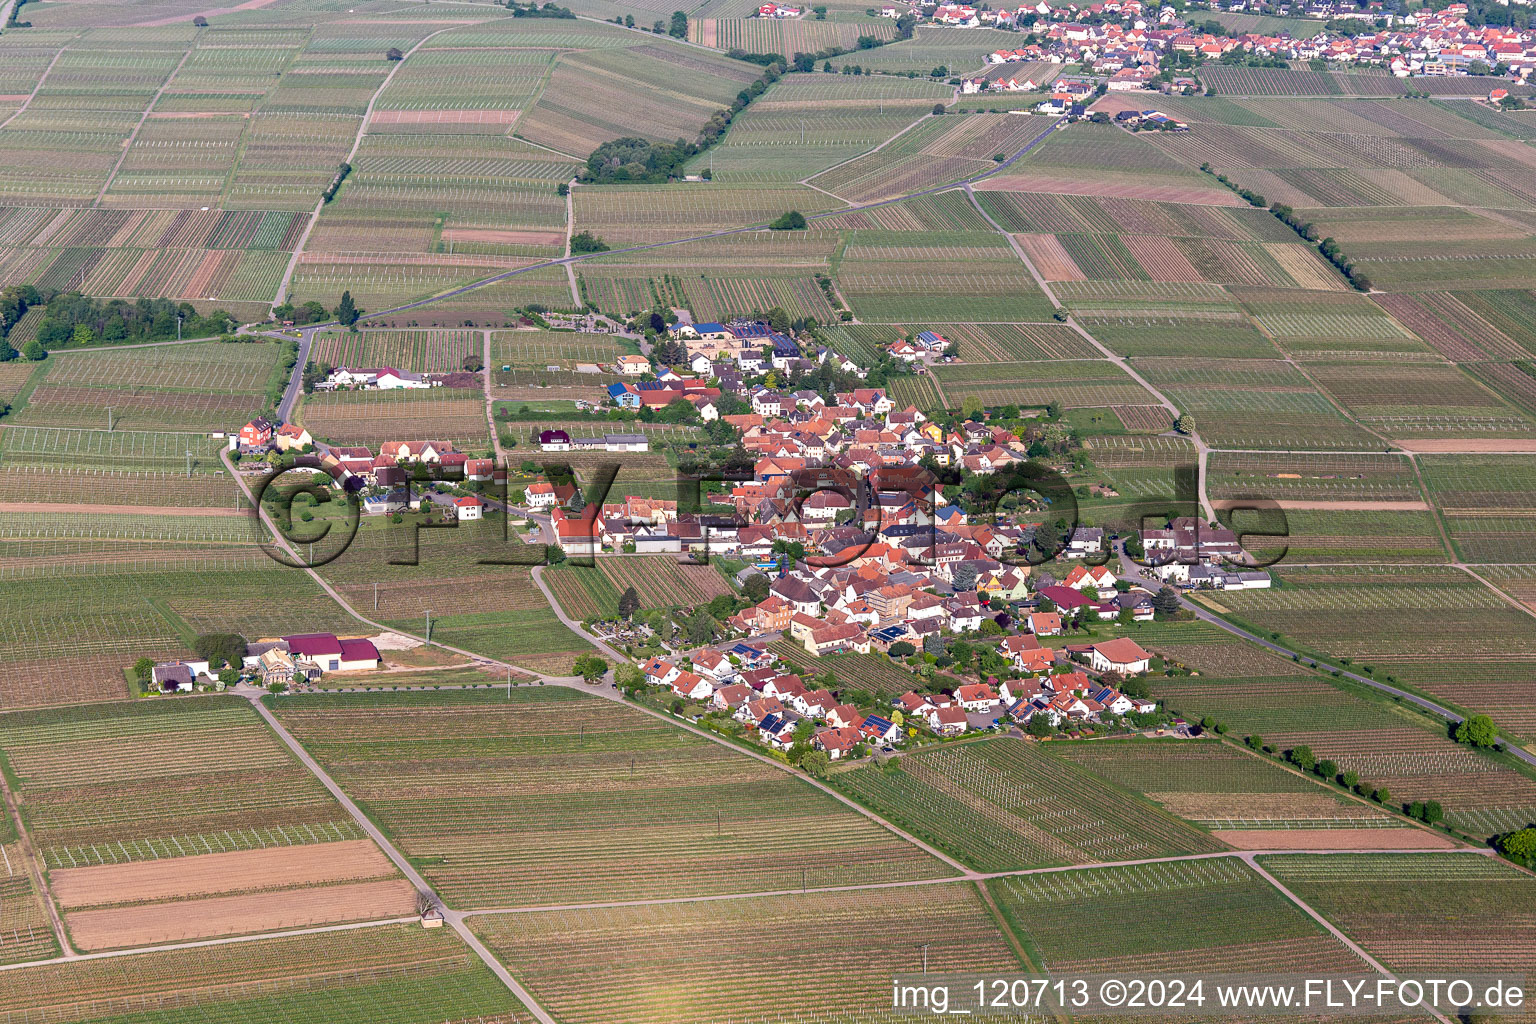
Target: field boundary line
(1252, 861)
(40, 80)
(225, 940)
(575, 627)
(1202, 450)
(133, 135)
(38, 871)
(979, 877)
(357, 142)
(505, 275)
(570, 226)
(451, 917)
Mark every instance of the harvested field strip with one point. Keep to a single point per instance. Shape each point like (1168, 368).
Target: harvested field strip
(187, 919)
(212, 874)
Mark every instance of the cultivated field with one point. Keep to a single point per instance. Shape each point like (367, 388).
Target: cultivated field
(346, 977)
(77, 771)
(1217, 787)
(412, 351)
(659, 581)
(1003, 804)
(1418, 912)
(552, 797)
(1214, 915)
(372, 417)
(1254, 692)
(203, 387)
(569, 958)
(73, 623)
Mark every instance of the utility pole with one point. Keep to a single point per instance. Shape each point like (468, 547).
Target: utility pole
(189, 463)
(178, 317)
(509, 682)
(925, 957)
(109, 419)
(429, 625)
(802, 131)
(375, 596)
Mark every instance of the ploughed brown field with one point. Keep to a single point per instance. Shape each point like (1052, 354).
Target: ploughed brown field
(144, 902)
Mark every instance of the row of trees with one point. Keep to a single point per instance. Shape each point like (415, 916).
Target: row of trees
(71, 319)
(1328, 248)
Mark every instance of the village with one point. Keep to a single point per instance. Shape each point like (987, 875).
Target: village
(841, 539)
(1148, 46)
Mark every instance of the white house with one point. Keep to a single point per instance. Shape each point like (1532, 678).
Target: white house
(1122, 655)
(467, 508)
(659, 672)
(539, 495)
(692, 687)
(714, 666)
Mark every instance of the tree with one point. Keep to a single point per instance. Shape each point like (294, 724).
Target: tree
(586, 241)
(1166, 601)
(143, 669)
(1184, 424)
(1519, 845)
(347, 311)
(1477, 731)
(590, 667)
(1433, 812)
(902, 649)
(792, 220)
(393, 53)
(629, 603)
(1040, 726)
(817, 764)
(701, 627)
(1351, 779)
(1327, 768)
(1302, 757)
(938, 108)
(34, 351)
(756, 588)
(965, 576)
(679, 26)
(628, 677)
(220, 648)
